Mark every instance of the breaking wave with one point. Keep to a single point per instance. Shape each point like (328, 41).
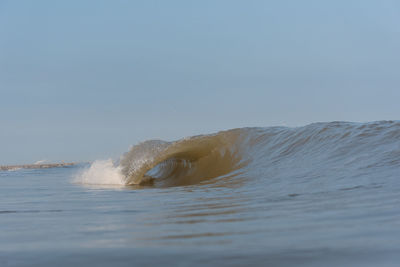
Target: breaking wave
(338, 148)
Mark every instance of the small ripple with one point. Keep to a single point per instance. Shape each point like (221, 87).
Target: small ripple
(27, 211)
(351, 188)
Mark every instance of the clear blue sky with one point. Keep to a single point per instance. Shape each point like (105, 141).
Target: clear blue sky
(82, 80)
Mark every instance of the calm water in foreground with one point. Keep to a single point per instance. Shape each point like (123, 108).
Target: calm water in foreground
(326, 194)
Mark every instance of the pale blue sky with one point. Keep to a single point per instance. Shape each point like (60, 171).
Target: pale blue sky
(82, 80)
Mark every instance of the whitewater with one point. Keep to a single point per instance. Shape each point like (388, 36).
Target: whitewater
(315, 150)
(325, 194)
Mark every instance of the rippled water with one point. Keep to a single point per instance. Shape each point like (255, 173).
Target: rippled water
(326, 194)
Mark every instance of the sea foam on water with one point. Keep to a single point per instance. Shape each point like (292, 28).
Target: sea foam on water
(101, 172)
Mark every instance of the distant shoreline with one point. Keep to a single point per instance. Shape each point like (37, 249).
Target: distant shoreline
(36, 166)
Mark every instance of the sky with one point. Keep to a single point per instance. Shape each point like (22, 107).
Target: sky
(85, 80)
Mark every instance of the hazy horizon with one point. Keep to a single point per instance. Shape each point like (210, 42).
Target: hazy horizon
(84, 80)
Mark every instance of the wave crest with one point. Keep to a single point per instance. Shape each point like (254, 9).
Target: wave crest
(274, 152)
(187, 161)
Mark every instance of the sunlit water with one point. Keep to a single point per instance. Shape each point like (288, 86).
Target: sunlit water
(321, 195)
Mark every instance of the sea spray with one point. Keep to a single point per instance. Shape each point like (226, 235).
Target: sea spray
(101, 172)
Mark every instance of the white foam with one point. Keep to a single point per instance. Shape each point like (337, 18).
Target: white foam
(41, 161)
(101, 172)
(14, 169)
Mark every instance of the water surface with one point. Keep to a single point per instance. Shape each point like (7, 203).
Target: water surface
(326, 194)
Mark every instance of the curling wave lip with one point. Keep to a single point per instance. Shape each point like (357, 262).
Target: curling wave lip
(253, 153)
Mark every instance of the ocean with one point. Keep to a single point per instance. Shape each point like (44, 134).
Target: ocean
(326, 194)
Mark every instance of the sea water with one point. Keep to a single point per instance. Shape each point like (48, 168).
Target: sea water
(326, 194)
